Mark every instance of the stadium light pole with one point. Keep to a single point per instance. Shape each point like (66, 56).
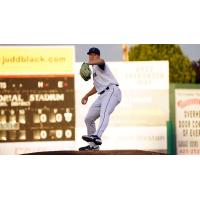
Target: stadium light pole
(125, 49)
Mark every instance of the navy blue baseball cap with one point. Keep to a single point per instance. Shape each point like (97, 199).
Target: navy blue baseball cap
(94, 50)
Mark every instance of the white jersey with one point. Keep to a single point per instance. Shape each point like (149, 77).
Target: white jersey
(103, 78)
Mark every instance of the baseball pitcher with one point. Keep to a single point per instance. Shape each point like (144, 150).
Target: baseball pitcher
(109, 96)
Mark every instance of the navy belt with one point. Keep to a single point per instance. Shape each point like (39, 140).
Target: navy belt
(106, 89)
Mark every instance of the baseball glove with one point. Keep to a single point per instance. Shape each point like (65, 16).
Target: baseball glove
(85, 72)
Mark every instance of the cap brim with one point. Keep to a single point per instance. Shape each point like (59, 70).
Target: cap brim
(88, 53)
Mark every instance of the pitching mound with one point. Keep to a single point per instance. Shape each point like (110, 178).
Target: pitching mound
(101, 152)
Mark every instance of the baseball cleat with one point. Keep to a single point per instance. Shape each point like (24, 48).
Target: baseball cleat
(92, 138)
(89, 148)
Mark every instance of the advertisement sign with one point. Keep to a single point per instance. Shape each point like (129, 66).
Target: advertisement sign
(36, 60)
(187, 103)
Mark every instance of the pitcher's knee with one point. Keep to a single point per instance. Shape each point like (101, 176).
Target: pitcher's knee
(88, 119)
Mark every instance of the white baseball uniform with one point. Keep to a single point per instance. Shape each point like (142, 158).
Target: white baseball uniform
(109, 97)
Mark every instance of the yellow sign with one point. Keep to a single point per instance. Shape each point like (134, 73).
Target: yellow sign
(35, 60)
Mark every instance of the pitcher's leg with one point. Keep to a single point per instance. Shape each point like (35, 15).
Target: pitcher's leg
(107, 107)
(92, 115)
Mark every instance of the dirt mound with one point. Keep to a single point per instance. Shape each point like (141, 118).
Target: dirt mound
(101, 152)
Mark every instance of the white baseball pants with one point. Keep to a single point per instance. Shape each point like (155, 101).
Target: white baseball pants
(102, 107)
